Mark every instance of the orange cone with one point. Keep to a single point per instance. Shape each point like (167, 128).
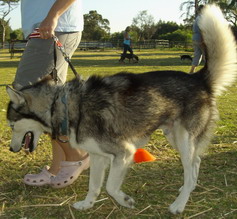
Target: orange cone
(142, 155)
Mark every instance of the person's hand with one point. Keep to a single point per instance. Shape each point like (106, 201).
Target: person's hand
(47, 27)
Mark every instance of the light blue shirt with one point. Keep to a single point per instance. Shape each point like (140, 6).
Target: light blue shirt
(127, 41)
(33, 13)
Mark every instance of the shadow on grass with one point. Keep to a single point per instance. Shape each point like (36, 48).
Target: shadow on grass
(9, 64)
(154, 186)
(142, 62)
(112, 60)
(117, 54)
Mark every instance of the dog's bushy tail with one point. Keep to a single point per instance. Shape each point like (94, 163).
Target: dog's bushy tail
(221, 57)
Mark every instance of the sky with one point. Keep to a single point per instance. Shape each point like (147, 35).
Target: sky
(120, 13)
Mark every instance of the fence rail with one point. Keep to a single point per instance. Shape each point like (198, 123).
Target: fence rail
(145, 44)
(19, 45)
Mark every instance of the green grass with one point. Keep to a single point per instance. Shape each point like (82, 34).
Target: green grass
(153, 185)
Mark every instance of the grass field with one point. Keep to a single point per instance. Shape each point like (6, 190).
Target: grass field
(154, 185)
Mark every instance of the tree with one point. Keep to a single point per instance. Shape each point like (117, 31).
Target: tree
(163, 27)
(96, 27)
(230, 11)
(16, 35)
(6, 6)
(228, 7)
(144, 24)
(178, 35)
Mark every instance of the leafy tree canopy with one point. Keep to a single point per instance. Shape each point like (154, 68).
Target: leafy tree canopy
(96, 27)
(144, 25)
(229, 8)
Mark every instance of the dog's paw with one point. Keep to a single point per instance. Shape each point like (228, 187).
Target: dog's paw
(129, 201)
(177, 207)
(126, 201)
(83, 205)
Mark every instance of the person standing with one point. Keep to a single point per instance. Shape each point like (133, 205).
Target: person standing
(127, 45)
(64, 19)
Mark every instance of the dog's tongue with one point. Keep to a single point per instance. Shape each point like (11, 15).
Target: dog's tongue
(27, 143)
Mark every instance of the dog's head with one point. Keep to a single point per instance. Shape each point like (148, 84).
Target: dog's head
(26, 125)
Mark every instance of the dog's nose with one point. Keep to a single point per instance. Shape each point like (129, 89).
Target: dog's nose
(11, 150)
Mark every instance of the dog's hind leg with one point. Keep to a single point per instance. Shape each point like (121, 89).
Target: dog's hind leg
(195, 165)
(195, 170)
(98, 165)
(183, 142)
(118, 169)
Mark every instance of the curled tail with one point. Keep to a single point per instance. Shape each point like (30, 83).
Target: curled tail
(221, 48)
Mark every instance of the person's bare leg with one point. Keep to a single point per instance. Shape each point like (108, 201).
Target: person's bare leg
(72, 154)
(63, 152)
(58, 156)
(75, 162)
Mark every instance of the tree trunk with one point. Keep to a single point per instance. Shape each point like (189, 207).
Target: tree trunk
(3, 35)
(196, 7)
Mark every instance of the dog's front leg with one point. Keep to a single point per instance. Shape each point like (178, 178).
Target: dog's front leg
(117, 173)
(97, 171)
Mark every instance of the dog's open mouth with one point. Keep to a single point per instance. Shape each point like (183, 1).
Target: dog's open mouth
(27, 142)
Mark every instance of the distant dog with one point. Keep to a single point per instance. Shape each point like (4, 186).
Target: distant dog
(186, 57)
(112, 116)
(130, 57)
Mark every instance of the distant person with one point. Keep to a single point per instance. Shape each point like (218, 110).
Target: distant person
(197, 41)
(127, 47)
(127, 42)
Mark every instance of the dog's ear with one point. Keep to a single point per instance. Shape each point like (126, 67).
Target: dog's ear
(15, 96)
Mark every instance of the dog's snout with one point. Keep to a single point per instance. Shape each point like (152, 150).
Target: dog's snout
(11, 149)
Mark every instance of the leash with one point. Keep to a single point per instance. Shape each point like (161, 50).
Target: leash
(65, 55)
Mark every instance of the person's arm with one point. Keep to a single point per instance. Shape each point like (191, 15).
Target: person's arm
(49, 24)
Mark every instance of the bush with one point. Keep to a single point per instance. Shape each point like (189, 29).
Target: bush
(178, 35)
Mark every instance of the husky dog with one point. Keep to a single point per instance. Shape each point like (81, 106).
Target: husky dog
(111, 116)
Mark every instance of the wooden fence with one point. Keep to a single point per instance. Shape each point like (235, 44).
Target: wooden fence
(18, 46)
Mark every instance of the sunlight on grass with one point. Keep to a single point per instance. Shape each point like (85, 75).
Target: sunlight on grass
(153, 185)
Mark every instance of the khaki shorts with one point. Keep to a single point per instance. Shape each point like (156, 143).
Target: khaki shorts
(38, 59)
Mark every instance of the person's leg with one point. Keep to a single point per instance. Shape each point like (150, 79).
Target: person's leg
(75, 160)
(123, 55)
(58, 156)
(37, 62)
(125, 49)
(72, 154)
(130, 50)
(63, 152)
(68, 167)
(197, 56)
(70, 42)
(192, 70)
